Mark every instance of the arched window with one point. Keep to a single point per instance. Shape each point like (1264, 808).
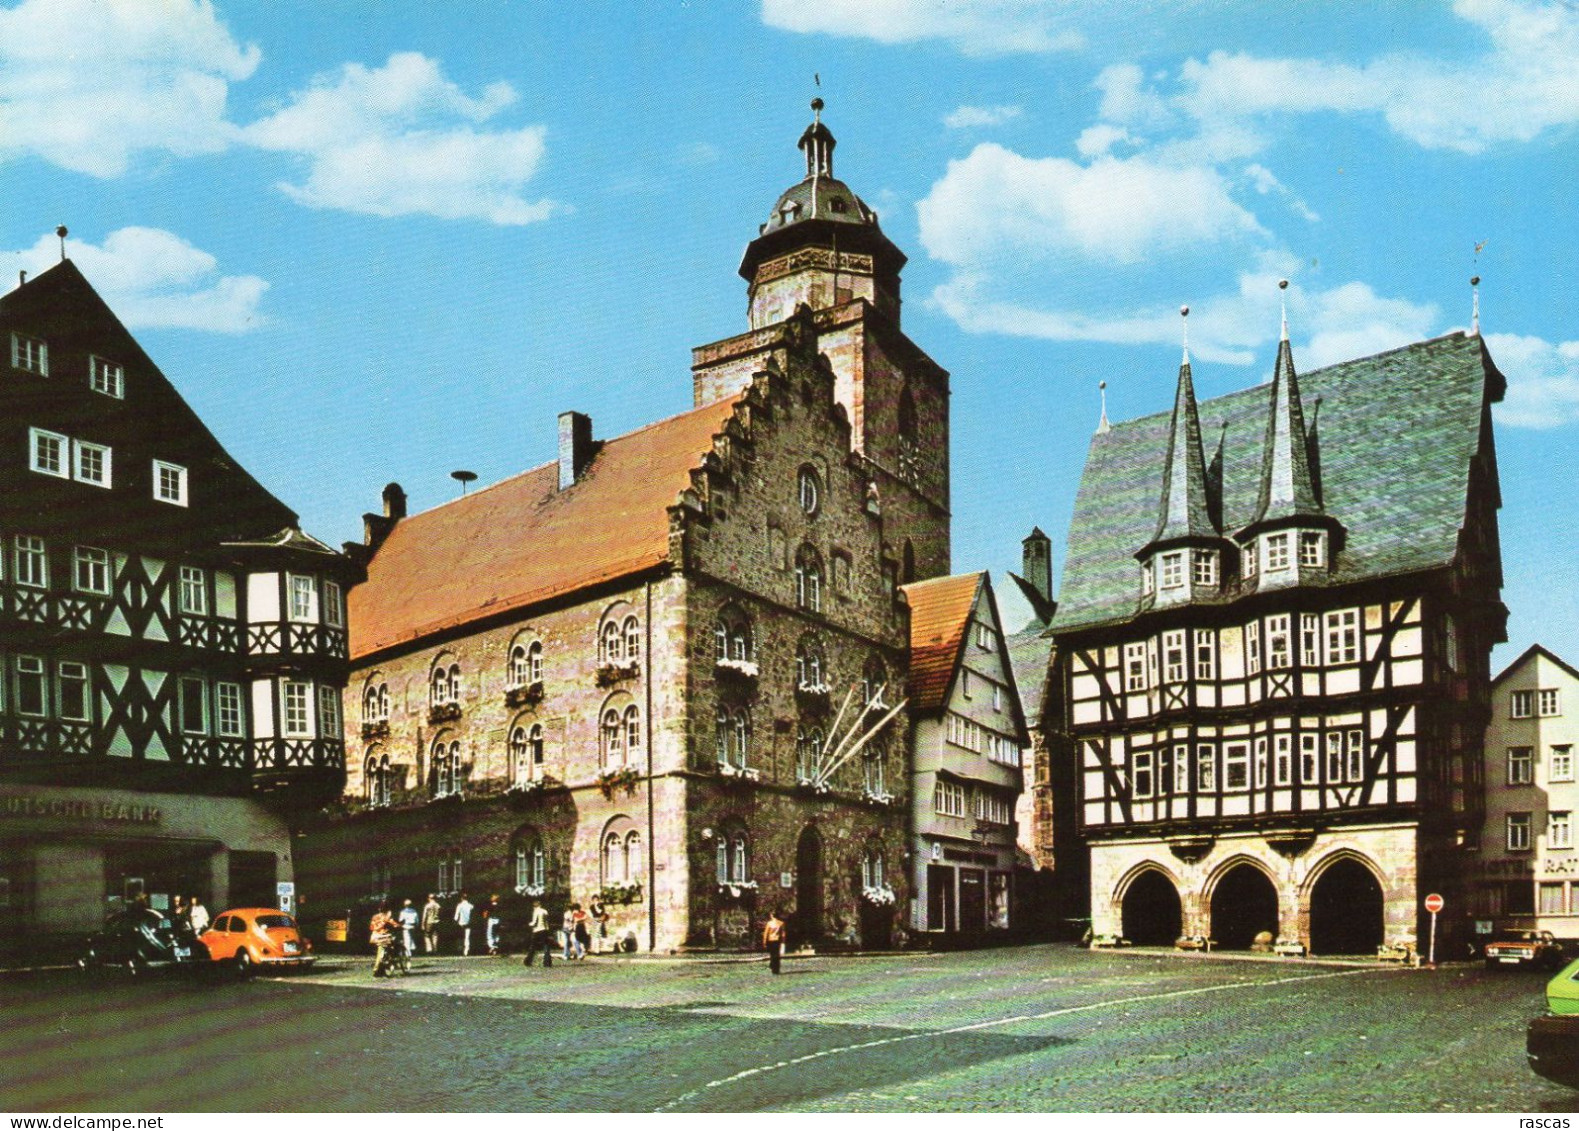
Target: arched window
(732, 635)
(621, 852)
(632, 733)
(613, 739)
(872, 868)
(439, 688)
(375, 702)
(633, 857)
(534, 662)
(874, 681)
(383, 702)
(909, 441)
(531, 863)
(808, 578)
(613, 859)
(873, 777)
(734, 736)
(520, 759)
(733, 856)
(810, 490)
(377, 778)
(611, 645)
(810, 672)
(808, 750)
(448, 776)
(632, 640)
(722, 735)
(455, 683)
(519, 674)
(534, 749)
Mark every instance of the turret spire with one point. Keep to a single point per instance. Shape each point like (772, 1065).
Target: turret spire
(1287, 486)
(818, 142)
(1184, 510)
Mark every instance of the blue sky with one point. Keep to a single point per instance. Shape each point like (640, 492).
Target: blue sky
(382, 242)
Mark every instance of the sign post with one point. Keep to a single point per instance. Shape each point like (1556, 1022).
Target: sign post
(1433, 904)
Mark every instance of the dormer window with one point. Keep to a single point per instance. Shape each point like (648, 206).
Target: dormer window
(1173, 569)
(169, 483)
(1248, 559)
(1277, 552)
(106, 377)
(1145, 578)
(789, 211)
(1204, 567)
(1312, 550)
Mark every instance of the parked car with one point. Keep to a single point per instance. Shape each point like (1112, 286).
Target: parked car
(250, 938)
(1552, 1042)
(139, 940)
(1525, 948)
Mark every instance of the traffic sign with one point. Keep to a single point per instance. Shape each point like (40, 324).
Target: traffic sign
(1433, 903)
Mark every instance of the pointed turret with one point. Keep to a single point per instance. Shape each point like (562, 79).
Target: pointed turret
(1184, 511)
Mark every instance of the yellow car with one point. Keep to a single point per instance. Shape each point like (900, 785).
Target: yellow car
(250, 938)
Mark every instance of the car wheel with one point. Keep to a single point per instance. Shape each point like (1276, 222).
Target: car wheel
(243, 962)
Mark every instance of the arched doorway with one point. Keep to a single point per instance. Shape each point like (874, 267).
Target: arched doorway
(1346, 910)
(1152, 915)
(808, 886)
(1244, 904)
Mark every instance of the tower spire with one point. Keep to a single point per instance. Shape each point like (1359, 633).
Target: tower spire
(1184, 509)
(1287, 487)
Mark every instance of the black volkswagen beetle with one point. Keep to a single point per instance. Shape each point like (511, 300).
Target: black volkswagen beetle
(140, 940)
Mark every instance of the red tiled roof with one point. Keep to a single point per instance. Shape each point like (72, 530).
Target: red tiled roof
(939, 615)
(523, 540)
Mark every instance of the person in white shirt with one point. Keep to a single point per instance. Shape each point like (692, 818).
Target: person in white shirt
(197, 915)
(408, 926)
(463, 920)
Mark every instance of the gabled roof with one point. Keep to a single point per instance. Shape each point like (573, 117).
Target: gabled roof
(1400, 431)
(1529, 654)
(939, 618)
(523, 540)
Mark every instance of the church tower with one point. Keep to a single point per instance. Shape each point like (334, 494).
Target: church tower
(823, 249)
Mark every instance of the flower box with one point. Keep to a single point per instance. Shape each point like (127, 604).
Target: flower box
(621, 893)
(880, 799)
(879, 896)
(813, 694)
(375, 730)
(533, 890)
(740, 671)
(527, 695)
(612, 781)
(610, 674)
(454, 797)
(730, 772)
(740, 890)
(817, 788)
(444, 712)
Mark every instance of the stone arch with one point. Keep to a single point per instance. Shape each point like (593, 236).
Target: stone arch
(1150, 909)
(1344, 904)
(1242, 895)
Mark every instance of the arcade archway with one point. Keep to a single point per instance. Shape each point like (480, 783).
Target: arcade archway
(1244, 903)
(1346, 910)
(1152, 914)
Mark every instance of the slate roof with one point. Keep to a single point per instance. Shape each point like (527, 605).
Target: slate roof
(1184, 512)
(523, 540)
(1397, 433)
(939, 616)
(1030, 651)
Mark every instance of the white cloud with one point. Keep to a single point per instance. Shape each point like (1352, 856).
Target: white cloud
(982, 27)
(403, 140)
(152, 278)
(1094, 141)
(972, 117)
(1267, 184)
(1126, 98)
(1543, 381)
(995, 205)
(90, 84)
(1532, 52)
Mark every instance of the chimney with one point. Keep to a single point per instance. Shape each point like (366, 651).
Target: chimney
(575, 446)
(376, 527)
(1036, 562)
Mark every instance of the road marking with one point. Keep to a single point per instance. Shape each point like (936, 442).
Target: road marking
(976, 1026)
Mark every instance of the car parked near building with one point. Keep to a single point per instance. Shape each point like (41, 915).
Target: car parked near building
(1552, 1041)
(139, 940)
(1525, 948)
(253, 938)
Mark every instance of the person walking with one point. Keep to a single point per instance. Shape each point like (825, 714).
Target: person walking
(463, 920)
(381, 933)
(567, 929)
(495, 925)
(580, 923)
(542, 939)
(197, 916)
(430, 925)
(408, 920)
(773, 940)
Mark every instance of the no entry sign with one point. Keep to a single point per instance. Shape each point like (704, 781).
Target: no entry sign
(1433, 903)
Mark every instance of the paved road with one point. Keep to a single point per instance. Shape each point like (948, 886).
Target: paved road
(1027, 1029)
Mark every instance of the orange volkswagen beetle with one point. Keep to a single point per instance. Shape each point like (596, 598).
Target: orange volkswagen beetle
(250, 938)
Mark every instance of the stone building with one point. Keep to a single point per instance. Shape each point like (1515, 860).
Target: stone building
(969, 731)
(1275, 643)
(172, 647)
(635, 670)
(1527, 871)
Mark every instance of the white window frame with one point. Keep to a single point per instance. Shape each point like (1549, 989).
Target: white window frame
(1261, 762)
(229, 711)
(1181, 768)
(1560, 829)
(296, 711)
(1249, 558)
(1521, 765)
(1206, 767)
(1309, 758)
(333, 604)
(1253, 648)
(1277, 555)
(106, 377)
(948, 799)
(1560, 765)
(1135, 666)
(1548, 702)
(49, 453)
(1282, 759)
(30, 549)
(30, 671)
(1312, 549)
(185, 686)
(1175, 658)
(90, 570)
(1310, 640)
(1279, 642)
(1521, 704)
(30, 354)
(1205, 654)
(1236, 766)
(1145, 578)
(176, 474)
(1343, 636)
(1518, 830)
(1143, 779)
(81, 452)
(1354, 753)
(1173, 569)
(330, 725)
(76, 673)
(294, 588)
(1204, 567)
(194, 591)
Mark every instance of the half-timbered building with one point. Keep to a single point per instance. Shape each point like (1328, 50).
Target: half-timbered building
(969, 731)
(667, 668)
(172, 646)
(1275, 628)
